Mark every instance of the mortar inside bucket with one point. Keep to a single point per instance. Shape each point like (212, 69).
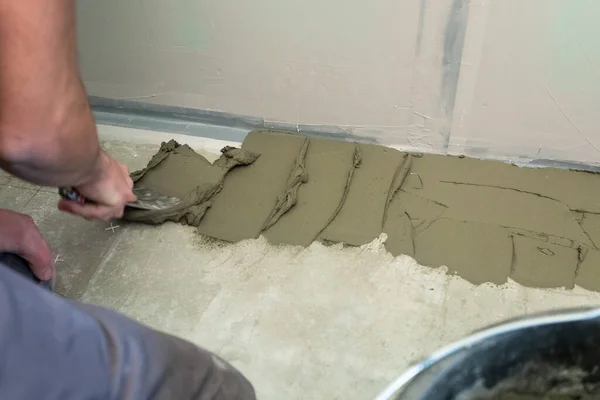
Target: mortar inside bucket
(546, 356)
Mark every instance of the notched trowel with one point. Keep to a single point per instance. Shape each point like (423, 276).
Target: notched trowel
(146, 199)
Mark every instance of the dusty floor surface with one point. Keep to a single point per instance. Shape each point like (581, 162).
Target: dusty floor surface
(302, 323)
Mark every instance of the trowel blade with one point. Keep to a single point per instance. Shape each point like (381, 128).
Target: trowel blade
(149, 200)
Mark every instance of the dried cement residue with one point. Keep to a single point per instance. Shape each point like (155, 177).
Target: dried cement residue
(486, 220)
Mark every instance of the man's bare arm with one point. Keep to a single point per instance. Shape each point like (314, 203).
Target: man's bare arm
(47, 131)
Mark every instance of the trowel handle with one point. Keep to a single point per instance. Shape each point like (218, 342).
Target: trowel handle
(72, 194)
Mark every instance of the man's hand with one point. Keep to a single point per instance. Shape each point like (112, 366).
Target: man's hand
(109, 188)
(20, 236)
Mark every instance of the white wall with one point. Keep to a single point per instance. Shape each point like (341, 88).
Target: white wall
(515, 78)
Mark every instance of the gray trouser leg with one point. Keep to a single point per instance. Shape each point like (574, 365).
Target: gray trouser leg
(52, 348)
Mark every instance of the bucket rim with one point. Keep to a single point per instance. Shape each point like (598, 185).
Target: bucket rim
(520, 323)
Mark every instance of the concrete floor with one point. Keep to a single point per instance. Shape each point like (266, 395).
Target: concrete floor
(301, 323)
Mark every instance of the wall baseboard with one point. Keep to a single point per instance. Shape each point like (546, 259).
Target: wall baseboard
(234, 128)
(203, 123)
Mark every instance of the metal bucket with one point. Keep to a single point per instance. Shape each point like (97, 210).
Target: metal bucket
(545, 355)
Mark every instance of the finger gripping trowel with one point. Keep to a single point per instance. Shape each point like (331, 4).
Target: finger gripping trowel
(146, 199)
